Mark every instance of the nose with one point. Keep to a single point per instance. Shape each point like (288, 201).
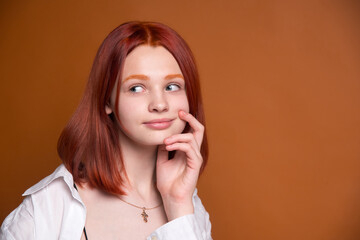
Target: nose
(158, 102)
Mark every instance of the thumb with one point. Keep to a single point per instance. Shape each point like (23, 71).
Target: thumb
(162, 155)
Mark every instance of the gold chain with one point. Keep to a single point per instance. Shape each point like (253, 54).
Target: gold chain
(145, 208)
(143, 214)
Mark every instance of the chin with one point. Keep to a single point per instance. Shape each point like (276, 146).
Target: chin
(158, 138)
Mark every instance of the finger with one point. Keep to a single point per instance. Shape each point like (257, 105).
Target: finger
(194, 159)
(184, 138)
(198, 128)
(187, 138)
(162, 155)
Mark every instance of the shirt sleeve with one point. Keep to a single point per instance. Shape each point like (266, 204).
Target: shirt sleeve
(195, 226)
(20, 223)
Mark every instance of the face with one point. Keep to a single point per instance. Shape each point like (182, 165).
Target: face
(152, 92)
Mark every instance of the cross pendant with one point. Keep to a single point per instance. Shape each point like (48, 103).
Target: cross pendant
(144, 215)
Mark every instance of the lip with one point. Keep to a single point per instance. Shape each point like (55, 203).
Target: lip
(159, 124)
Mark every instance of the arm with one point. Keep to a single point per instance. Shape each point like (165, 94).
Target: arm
(176, 182)
(20, 223)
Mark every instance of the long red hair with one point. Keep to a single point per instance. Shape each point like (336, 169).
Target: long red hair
(89, 144)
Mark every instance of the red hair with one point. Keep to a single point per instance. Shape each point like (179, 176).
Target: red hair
(89, 144)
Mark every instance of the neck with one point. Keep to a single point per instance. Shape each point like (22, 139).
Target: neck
(139, 162)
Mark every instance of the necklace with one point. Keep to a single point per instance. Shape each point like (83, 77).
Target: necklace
(143, 214)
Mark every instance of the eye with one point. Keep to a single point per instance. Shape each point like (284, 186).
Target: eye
(172, 87)
(137, 89)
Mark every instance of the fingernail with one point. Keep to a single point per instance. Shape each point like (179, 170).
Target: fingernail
(183, 112)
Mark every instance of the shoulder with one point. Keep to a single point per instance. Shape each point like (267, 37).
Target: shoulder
(21, 216)
(61, 173)
(54, 191)
(46, 206)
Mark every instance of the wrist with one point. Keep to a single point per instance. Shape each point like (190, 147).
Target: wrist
(175, 208)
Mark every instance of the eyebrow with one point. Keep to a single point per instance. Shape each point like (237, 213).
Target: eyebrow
(144, 77)
(137, 76)
(171, 76)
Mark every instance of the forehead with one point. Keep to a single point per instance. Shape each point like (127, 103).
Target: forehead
(149, 60)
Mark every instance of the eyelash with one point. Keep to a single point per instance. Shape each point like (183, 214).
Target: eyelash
(174, 84)
(132, 89)
(178, 86)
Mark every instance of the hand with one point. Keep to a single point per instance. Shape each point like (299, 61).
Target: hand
(177, 178)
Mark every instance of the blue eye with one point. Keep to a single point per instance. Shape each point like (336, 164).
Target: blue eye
(136, 89)
(172, 87)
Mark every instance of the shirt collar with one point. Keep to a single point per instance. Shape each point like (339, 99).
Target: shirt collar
(60, 172)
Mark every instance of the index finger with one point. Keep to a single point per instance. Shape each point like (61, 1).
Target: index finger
(198, 128)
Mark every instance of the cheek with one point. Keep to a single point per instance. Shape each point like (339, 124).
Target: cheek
(182, 103)
(128, 104)
(129, 110)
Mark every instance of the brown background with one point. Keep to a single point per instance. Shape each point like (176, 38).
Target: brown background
(281, 82)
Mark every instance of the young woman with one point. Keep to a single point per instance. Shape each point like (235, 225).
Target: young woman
(132, 152)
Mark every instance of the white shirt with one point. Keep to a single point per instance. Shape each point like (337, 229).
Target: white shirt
(53, 209)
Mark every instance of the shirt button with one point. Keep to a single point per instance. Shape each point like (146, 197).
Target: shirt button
(154, 238)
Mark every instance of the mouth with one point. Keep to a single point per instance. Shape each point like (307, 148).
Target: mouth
(159, 124)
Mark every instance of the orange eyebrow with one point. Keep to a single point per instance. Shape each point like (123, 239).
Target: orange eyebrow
(144, 77)
(171, 76)
(137, 76)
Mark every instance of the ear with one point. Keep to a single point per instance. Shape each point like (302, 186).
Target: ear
(108, 109)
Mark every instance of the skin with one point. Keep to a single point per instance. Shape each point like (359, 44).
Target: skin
(152, 89)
